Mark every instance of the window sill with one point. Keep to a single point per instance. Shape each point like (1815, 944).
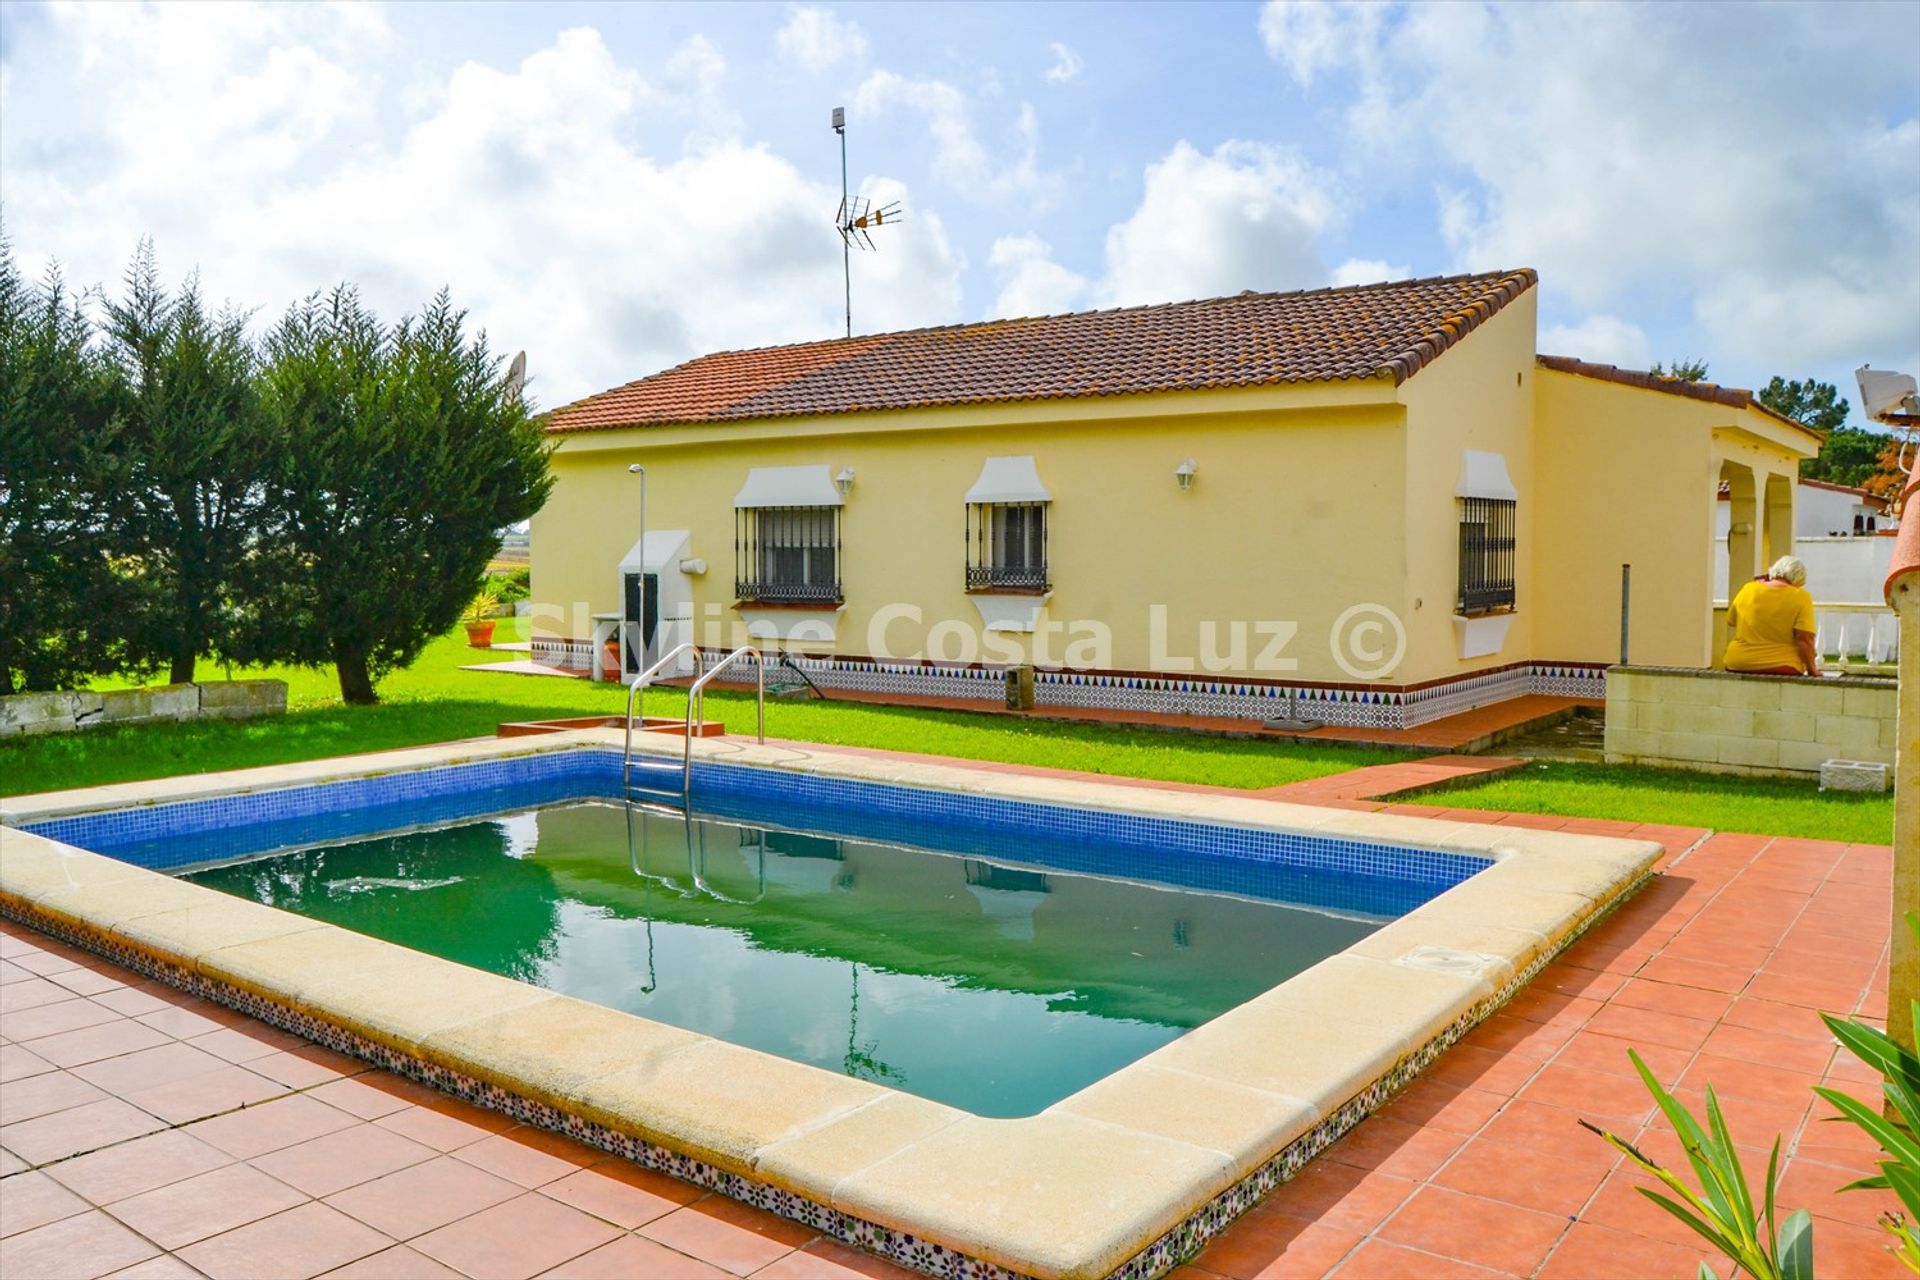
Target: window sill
(1481, 635)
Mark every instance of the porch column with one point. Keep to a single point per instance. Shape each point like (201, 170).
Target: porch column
(1743, 532)
(1779, 515)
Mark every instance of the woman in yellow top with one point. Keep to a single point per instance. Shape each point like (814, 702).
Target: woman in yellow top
(1772, 620)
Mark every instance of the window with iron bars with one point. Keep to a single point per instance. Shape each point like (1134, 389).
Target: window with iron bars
(1486, 555)
(1007, 546)
(787, 555)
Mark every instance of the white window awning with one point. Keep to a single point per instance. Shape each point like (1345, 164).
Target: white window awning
(789, 487)
(1013, 479)
(1484, 475)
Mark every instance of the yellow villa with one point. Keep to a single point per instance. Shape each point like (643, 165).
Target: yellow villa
(1378, 500)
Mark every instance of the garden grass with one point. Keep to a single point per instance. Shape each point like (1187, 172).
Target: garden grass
(1635, 793)
(435, 701)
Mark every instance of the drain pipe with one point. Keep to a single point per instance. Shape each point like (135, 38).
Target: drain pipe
(1626, 608)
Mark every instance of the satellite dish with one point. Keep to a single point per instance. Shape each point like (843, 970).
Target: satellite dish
(516, 375)
(1886, 396)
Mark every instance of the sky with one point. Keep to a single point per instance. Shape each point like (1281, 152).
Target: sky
(615, 188)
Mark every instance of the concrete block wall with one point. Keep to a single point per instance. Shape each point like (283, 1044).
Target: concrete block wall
(23, 713)
(1726, 722)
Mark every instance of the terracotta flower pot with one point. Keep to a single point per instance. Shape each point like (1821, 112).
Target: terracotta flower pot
(480, 634)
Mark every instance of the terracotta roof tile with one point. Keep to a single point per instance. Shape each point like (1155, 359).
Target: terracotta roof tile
(1249, 340)
(1733, 397)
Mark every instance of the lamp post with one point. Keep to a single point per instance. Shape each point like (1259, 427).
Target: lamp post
(641, 661)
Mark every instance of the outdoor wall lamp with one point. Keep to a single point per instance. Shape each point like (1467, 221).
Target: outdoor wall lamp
(1184, 474)
(844, 481)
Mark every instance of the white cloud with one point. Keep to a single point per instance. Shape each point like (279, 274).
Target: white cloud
(1246, 216)
(522, 188)
(820, 40)
(1368, 271)
(1756, 167)
(1602, 339)
(1031, 282)
(960, 158)
(1067, 65)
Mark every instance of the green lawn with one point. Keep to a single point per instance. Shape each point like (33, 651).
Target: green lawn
(434, 701)
(1768, 806)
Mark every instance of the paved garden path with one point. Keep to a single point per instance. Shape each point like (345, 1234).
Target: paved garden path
(147, 1133)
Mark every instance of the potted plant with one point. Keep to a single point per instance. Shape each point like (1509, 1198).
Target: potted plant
(478, 615)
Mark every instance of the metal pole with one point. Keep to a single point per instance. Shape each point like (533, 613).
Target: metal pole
(1626, 608)
(846, 250)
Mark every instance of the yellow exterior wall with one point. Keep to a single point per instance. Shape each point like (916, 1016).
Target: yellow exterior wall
(1294, 514)
(1309, 500)
(1478, 395)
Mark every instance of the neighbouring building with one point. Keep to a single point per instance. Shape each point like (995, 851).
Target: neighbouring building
(1378, 499)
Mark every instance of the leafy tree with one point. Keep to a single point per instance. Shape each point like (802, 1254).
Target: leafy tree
(1812, 403)
(1683, 371)
(403, 453)
(197, 457)
(1849, 456)
(63, 598)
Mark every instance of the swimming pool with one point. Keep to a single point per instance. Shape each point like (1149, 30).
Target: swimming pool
(991, 956)
(1125, 1177)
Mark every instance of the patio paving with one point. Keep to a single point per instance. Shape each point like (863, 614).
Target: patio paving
(146, 1133)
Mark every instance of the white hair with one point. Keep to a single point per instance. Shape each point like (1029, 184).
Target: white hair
(1789, 569)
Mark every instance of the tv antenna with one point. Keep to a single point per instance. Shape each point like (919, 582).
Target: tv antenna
(856, 218)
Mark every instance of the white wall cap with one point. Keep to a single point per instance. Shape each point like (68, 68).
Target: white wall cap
(810, 486)
(1013, 479)
(1484, 475)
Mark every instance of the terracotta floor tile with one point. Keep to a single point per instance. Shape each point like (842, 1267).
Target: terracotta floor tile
(515, 1239)
(300, 1243)
(1770, 1048)
(729, 1235)
(276, 1123)
(55, 1019)
(34, 992)
(1848, 1252)
(1553, 1131)
(1485, 1233)
(1471, 1066)
(530, 1157)
(1668, 997)
(1697, 973)
(1619, 1205)
(1438, 1106)
(30, 1200)
(76, 1248)
(1735, 1078)
(90, 1044)
(183, 1212)
(131, 1001)
(341, 1159)
(188, 1016)
(830, 1260)
(243, 1043)
(206, 1094)
(371, 1096)
(148, 1068)
(1595, 1095)
(163, 1267)
(1816, 1188)
(1379, 1260)
(1591, 1051)
(622, 1193)
(1395, 1147)
(1271, 1247)
(130, 1168)
(50, 958)
(75, 1130)
(1590, 1252)
(44, 1094)
(1339, 1196)
(446, 1126)
(1518, 1176)
(631, 1257)
(307, 1066)
(87, 982)
(424, 1196)
(401, 1263)
(17, 1062)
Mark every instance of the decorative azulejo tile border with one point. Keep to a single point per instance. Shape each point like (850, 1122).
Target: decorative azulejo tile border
(1169, 1251)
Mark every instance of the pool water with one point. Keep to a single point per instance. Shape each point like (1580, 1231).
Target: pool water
(966, 974)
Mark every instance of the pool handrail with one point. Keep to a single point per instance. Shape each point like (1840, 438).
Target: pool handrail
(638, 689)
(696, 708)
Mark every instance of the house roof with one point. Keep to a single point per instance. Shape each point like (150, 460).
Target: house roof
(1864, 495)
(1248, 340)
(1734, 397)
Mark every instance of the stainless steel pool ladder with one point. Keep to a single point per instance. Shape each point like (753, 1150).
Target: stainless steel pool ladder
(637, 690)
(697, 701)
